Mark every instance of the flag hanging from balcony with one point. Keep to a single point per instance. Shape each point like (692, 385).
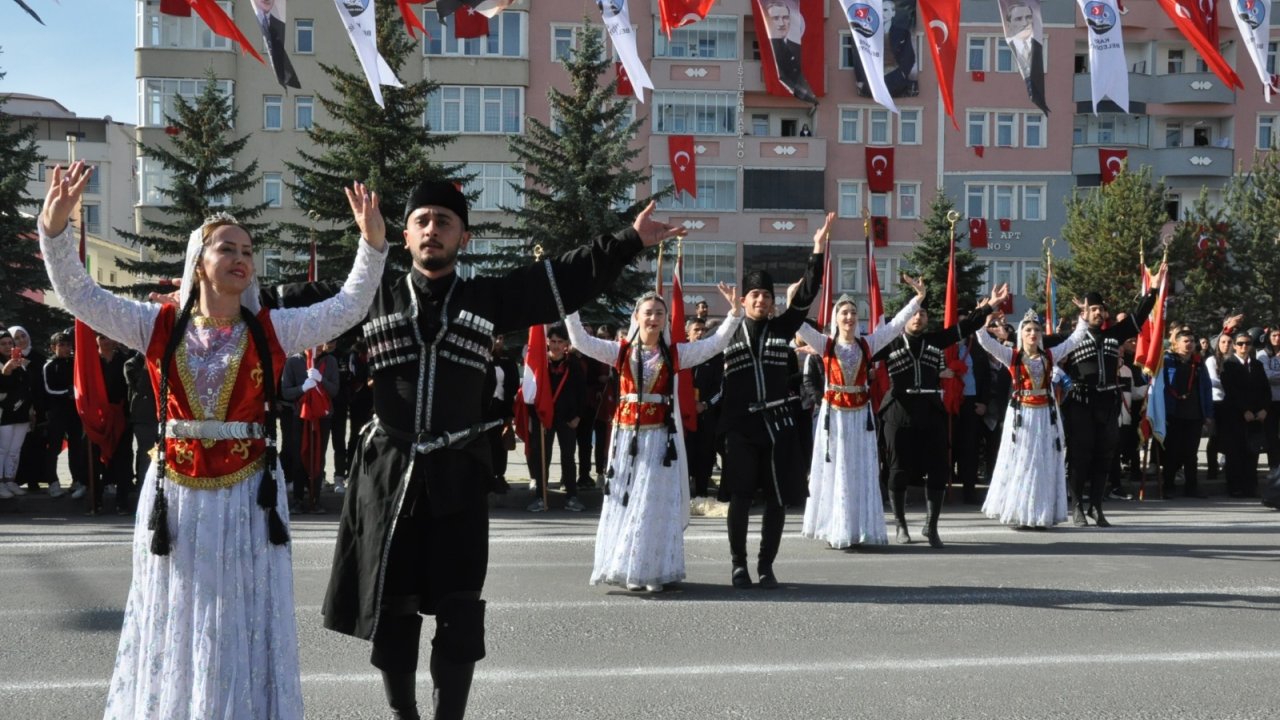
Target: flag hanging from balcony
(617, 20)
(880, 230)
(624, 82)
(1108, 70)
(1024, 31)
(1253, 17)
(869, 26)
(274, 23)
(684, 168)
(176, 8)
(469, 23)
(214, 17)
(879, 169)
(1188, 18)
(791, 47)
(678, 13)
(942, 20)
(1111, 163)
(978, 234)
(361, 22)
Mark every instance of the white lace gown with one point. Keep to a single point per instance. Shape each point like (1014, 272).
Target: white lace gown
(642, 542)
(844, 506)
(209, 630)
(1028, 487)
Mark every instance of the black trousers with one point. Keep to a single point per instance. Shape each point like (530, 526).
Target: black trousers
(916, 447)
(1128, 450)
(338, 433)
(540, 462)
(585, 435)
(146, 435)
(118, 472)
(359, 413)
(64, 425)
(967, 443)
(1214, 447)
(1181, 444)
(701, 448)
(1272, 425)
(1091, 444)
(753, 465)
(1242, 460)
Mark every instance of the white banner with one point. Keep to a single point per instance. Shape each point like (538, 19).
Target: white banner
(1253, 17)
(1108, 70)
(869, 26)
(360, 20)
(617, 19)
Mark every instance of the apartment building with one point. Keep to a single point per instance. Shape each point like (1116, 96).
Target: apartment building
(767, 167)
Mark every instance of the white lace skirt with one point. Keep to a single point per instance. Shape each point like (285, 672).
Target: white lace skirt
(209, 630)
(845, 506)
(1029, 483)
(641, 543)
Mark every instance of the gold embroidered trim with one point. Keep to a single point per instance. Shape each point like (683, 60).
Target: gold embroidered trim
(198, 410)
(217, 483)
(201, 321)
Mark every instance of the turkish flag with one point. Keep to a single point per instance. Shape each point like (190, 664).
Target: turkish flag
(804, 47)
(880, 230)
(103, 420)
(1111, 163)
(879, 375)
(678, 13)
(684, 169)
(216, 18)
(978, 232)
(176, 8)
(1206, 18)
(953, 387)
(624, 82)
(880, 169)
(1185, 16)
(1005, 224)
(978, 76)
(979, 150)
(411, 19)
(942, 20)
(467, 23)
(684, 378)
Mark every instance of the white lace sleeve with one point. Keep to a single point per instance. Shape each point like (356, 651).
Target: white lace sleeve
(994, 348)
(305, 327)
(126, 321)
(814, 338)
(696, 353)
(1065, 347)
(606, 351)
(888, 332)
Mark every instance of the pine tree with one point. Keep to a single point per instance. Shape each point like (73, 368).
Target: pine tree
(200, 153)
(21, 271)
(1207, 286)
(389, 149)
(1253, 243)
(930, 258)
(581, 171)
(1107, 230)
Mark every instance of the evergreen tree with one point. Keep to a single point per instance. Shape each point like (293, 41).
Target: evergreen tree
(200, 153)
(389, 149)
(1107, 229)
(1207, 286)
(1253, 238)
(21, 271)
(930, 258)
(581, 171)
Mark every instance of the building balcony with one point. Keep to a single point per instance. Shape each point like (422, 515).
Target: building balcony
(1172, 162)
(1144, 89)
(772, 152)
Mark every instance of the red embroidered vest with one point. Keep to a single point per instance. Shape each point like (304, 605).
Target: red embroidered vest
(637, 407)
(1024, 387)
(214, 464)
(838, 394)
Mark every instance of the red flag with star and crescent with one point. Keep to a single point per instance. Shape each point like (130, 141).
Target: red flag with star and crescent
(1111, 163)
(678, 13)
(215, 17)
(469, 23)
(879, 375)
(684, 169)
(685, 391)
(880, 169)
(1190, 22)
(942, 20)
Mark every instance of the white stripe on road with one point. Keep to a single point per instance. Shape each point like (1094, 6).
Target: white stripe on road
(576, 675)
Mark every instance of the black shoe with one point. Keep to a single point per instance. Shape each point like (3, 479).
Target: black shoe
(1077, 517)
(586, 482)
(1100, 519)
(767, 579)
(741, 578)
(1119, 493)
(450, 688)
(499, 485)
(401, 691)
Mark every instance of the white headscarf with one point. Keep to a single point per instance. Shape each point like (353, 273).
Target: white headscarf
(1030, 318)
(14, 330)
(833, 330)
(195, 246)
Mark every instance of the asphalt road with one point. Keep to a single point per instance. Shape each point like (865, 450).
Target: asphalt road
(1170, 614)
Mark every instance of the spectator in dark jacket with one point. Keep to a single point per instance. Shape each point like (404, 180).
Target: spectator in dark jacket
(64, 422)
(295, 381)
(1188, 396)
(1246, 397)
(141, 409)
(568, 391)
(502, 379)
(701, 443)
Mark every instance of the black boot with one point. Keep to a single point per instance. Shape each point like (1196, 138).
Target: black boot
(767, 579)
(401, 690)
(1077, 516)
(934, 508)
(1099, 519)
(741, 577)
(899, 504)
(450, 687)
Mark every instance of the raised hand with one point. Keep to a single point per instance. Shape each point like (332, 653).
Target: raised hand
(1161, 274)
(730, 293)
(652, 231)
(1081, 304)
(65, 188)
(916, 284)
(821, 237)
(999, 294)
(364, 207)
(1234, 321)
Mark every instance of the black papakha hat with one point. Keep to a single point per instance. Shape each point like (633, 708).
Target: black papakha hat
(757, 280)
(1094, 298)
(440, 193)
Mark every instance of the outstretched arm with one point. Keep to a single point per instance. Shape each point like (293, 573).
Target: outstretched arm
(885, 334)
(606, 351)
(696, 353)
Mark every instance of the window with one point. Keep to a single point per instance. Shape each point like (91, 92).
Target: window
(850, 127)
(156, 30)
(978, 53)
(1004, 58)
(1006, 131)
(887, 274)
(975, 201)
(1176, 62)
(1005, 201)
(494, 183)
(1173, 134)
(564, 39)
(1106, 130)
(1033, 202)
(157, 96)
(1004, 205)
(908, 126)
(850, 201)
(505, 38)
(475, 109)
(848, 53)
(1002, 271)
(714, 38)
(760, 125)
(38, 172)
(1266, 133)
(272, 112)
(851, 277)
(977, 122)
(92, 218)
(304, 35)
(484, 255)
(1271, 60)
(272, 263)
(303, 112)
(879, 204)
(273, 189)
(94, 186)
(717, 189)
(769, 189)
(153, 178)
(908, 201)
(878, 127)
(1033, 135)
(705, 113)
(708, 263)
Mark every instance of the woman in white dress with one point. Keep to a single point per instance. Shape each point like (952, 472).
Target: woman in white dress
(640, 539)
(209, 628)
(844, 506)
(1028, 488)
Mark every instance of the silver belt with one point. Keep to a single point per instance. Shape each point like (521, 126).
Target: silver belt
(214, 430)
(645, 398)
(1031, 393)
(848, 388)
(923, 391)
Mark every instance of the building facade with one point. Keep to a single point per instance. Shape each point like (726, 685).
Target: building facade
(768, 167)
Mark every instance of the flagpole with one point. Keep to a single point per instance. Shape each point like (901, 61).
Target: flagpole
(952, 218)
(657, 280)
(543, 470)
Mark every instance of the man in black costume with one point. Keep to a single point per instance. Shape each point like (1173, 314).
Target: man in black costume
(757, 417)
